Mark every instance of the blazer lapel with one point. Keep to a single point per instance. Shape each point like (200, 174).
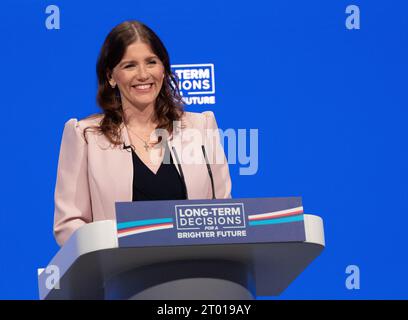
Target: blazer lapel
(187, 149)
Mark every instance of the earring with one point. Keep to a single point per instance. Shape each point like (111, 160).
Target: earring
(112, 83)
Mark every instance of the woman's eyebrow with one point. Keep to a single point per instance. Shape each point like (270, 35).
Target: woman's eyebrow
(134, 61)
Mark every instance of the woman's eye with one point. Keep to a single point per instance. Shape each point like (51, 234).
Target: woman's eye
(153, 62)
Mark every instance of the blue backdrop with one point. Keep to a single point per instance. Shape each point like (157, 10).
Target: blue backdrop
(330, 105)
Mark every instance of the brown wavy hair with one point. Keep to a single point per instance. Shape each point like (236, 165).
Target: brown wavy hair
(169, 106)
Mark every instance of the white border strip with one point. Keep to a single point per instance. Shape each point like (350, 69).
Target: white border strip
(129, 233)
(273, 214)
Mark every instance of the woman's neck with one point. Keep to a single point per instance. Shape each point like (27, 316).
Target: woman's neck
(140, 118)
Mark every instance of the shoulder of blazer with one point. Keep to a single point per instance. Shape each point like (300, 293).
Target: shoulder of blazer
(91, 121)
(78, 129)
(81, 125)
(192, 119)
(198, 119)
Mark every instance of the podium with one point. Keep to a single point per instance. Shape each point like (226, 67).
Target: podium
(138, 258)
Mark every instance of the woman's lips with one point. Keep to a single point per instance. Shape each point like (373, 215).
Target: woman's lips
(143, 87)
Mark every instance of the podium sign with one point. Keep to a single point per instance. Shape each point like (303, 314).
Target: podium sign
(203, 222)
(188, 249)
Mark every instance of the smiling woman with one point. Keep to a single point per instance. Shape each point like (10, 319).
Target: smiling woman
(139, 77)
(134, 55)
(122, 154)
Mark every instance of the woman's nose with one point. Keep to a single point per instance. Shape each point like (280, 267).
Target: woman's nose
(142, 74)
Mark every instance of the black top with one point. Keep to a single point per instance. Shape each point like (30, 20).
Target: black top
(166, 184)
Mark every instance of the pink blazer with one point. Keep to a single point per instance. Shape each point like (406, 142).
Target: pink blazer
(93, 175)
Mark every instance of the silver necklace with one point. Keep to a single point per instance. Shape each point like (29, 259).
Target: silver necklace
(146, 145)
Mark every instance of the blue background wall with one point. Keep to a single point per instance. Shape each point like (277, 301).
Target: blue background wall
(330, 105)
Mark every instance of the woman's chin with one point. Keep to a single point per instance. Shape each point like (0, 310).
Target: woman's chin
(142, 104)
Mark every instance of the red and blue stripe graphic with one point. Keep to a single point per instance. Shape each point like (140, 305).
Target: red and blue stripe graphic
(276, 217)
(141, 226)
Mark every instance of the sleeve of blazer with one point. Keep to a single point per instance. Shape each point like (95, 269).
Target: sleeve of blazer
(72, 196)
(218, 161)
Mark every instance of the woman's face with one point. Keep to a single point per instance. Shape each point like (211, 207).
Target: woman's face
(139, 76)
